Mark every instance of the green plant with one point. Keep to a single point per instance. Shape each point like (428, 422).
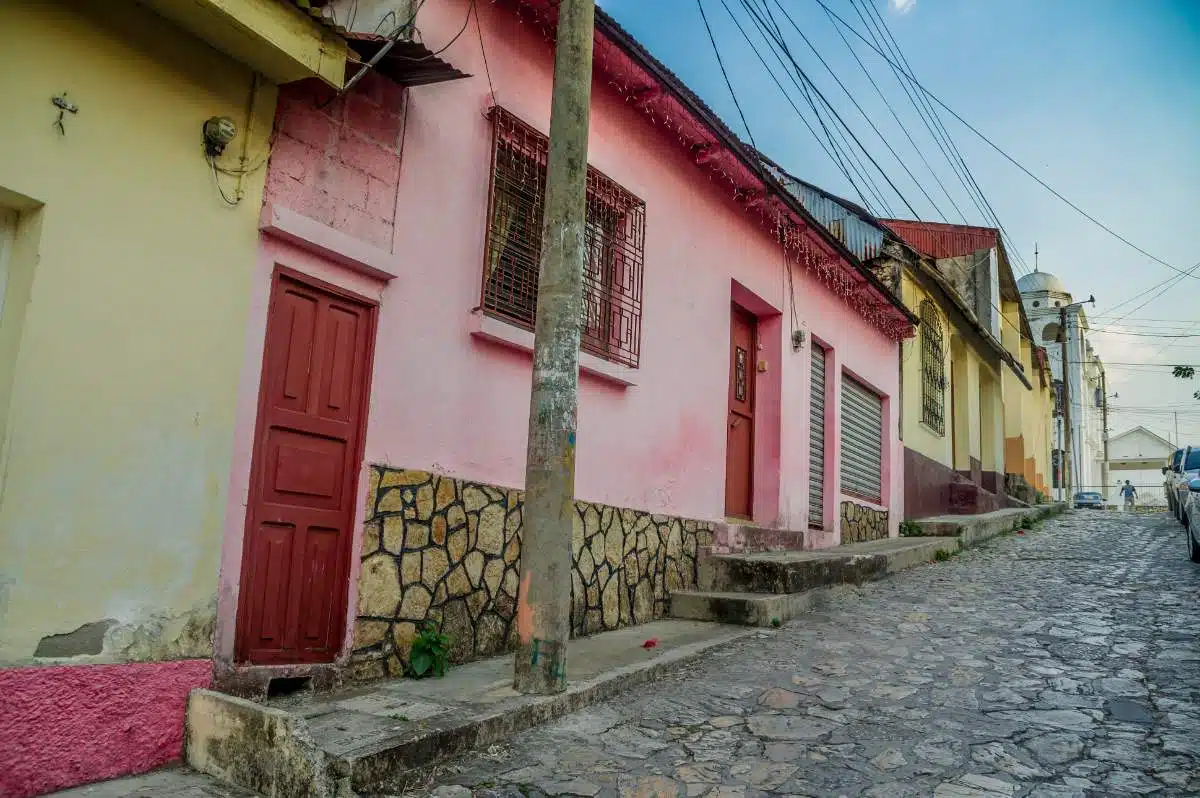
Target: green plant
(430, 652)
(941, 555)
(776, 623)
(1028, 522)
(910, 529)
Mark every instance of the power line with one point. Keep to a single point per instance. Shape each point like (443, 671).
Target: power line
(1163, 287)
(864, 114)
(1013, 160)
(896, 116)
(937, 130)
(1102, 331)
(724, 74)
(834, 154)
(804, 75)
(848, 159)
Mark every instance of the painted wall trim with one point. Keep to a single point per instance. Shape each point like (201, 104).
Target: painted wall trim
(273, 37)
(485, 328)
(323, 240)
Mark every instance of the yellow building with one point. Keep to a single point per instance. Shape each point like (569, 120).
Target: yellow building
(976, 396)
(977, 399)
(126, 250)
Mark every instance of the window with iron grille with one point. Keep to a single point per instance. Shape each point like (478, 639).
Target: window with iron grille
(933, 369)
(615, 238)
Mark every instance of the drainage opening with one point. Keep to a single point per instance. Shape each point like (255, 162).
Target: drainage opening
(288, 685)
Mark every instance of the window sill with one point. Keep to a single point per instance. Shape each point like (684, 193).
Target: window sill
(933, 430)
(485, 328)
(864, 501)
(320, 239)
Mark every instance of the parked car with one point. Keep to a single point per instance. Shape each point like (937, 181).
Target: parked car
(1191, 519)
(1187, 470)
(1089, 500)
(1169, 471)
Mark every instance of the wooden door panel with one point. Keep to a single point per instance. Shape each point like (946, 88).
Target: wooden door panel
(739, 449)
(294, 333)
(271, 559)
(320, 585)
(305, 470)
(312, 415)
(337, 399)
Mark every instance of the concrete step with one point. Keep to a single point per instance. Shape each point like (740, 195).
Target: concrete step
(781, 572)
(769, 588)
(735, 537)
(370, 739)
(745, 609)
(971, 530)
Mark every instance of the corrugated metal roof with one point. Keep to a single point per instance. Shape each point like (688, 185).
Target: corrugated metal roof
(941, 240)
(838, 216)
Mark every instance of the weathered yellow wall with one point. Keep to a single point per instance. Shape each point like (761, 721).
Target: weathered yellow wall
(991, 420)
(123, 345)
(974, 416)
(917, 435)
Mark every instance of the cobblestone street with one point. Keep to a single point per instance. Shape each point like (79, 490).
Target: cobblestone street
(1064, 662)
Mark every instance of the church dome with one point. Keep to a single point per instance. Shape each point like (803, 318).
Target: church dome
(1035, 282)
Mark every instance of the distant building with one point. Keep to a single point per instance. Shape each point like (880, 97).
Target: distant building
(1045, 298)
(1138, 455)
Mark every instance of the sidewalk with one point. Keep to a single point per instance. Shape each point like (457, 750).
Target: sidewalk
(332, 745)
(358, 740)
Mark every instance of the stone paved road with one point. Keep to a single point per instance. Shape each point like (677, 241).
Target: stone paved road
(1065, 662)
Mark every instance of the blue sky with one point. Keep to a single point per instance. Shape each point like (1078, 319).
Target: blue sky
(1098, 98)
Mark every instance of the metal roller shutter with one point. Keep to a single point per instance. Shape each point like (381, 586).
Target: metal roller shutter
(816, 445)
(862, 441)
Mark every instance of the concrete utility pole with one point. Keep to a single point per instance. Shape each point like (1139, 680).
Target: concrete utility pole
(544, 605)
(1067, 442)
(1104, 393)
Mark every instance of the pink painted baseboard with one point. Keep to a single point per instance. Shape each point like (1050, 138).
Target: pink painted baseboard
(61, 726)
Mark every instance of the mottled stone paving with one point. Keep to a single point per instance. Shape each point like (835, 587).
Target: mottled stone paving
(1065, 662)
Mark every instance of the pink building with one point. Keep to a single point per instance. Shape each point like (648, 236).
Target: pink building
(731, 344)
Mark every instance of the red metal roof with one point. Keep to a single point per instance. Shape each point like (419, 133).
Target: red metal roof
(940, 240)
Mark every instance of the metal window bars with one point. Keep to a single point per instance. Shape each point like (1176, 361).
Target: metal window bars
(933, 369)
(615, 237)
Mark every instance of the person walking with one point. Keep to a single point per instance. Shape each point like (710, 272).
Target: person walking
(1130, 493)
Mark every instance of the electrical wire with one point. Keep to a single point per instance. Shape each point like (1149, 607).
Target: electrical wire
(864, 114)
(724, 74)
(470, 10)
(483, 52)
(237, 196)
(786, 95)
(958, 161)
(1164, 286)
(901, 124)
(1012, 160)
(867, 117)
(839, 158)
(833, 111)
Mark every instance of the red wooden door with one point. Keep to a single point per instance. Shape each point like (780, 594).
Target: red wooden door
(307, 451)
(739, 449)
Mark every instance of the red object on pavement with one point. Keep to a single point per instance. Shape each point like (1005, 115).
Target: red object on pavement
(1020, 531)
(651, 643)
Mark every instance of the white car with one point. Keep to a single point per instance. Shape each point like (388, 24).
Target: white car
(1169, 471)
(1187, 470)
(1191, 519)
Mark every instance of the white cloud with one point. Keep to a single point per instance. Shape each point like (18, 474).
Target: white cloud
(902, 6)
